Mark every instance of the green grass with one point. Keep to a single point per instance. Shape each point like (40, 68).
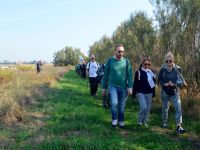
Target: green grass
(72, 119)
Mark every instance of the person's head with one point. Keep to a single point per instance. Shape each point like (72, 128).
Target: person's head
(169, 59)
(146, 63)
(92, 57)
(119, 51)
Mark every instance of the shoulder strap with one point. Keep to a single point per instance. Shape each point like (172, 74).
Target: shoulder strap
(127, 63)
(88, 66)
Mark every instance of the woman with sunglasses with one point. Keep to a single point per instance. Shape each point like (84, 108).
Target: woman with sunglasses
(144, 86)
(168, 77)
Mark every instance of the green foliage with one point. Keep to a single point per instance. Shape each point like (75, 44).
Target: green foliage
(179, 32)
(136, 34)
(67, 56)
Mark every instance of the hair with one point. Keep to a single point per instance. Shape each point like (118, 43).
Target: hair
(119, 45)
(169, 55)
(141, 63)
(143, 60)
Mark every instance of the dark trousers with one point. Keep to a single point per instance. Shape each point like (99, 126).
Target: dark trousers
(38, 70)
(93, 85)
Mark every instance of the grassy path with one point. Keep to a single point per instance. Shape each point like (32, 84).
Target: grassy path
(68, 118)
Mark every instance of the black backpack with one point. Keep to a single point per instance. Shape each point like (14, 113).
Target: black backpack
(100, 73)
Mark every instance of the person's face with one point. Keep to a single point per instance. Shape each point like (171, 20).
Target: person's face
(119, 52)
(169, 62)
(92, 58)
(146, 64)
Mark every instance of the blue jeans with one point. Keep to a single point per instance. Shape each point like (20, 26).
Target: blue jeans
(145, 101)
(177, 105)
(118, 98)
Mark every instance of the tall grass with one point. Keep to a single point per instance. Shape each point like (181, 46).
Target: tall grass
(6, 75)
(20, 87)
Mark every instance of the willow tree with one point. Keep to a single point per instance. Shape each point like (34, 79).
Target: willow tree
(179, 28)
(102, 49)
(137, 35)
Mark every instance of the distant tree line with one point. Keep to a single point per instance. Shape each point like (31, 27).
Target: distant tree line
(177, 30)
(67, 56)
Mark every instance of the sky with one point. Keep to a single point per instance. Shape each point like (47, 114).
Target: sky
(35, 29)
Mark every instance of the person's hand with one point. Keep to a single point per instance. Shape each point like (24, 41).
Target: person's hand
(103, 92)
(167, 84)
(130, 91)
(171, 83)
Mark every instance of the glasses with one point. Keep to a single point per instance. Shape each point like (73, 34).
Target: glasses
(92, 58)
(168, 61)
(147, 64)
(120, 52)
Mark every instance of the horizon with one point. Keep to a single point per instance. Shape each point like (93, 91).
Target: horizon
(34, 30)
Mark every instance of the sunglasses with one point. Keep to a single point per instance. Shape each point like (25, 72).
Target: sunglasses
(120, 52)
(147, 64)
(92, 58)
(168, 61)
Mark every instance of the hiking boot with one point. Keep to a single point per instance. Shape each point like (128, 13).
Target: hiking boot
(165, 125)
(121, 124)
(114, 123)
(180, 130)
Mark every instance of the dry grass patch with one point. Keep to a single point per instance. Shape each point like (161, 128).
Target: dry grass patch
(23, 88)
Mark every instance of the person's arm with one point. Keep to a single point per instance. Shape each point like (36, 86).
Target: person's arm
(105, 77)
(160, 77)
(106, 73)
(130, 78)
(135, 84)
(87, 69)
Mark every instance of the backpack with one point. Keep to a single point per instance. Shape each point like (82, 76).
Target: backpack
(100, 73)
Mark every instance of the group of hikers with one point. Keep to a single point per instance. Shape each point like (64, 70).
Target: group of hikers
(117, 81)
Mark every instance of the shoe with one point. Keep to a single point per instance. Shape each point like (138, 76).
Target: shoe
(121, 124)
(146, 125)
(180, 130)
(114, 123)
(139, 124)
(105, 106)
(165, 125)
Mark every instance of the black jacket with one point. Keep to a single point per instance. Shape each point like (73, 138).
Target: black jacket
(142, 85)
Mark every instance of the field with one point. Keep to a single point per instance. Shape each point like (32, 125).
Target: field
(53, 110)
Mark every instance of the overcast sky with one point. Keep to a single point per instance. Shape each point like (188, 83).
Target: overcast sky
(35, 29)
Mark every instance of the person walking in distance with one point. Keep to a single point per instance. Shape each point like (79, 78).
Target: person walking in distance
(91, 70)
(118, 76)
(38, 66)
